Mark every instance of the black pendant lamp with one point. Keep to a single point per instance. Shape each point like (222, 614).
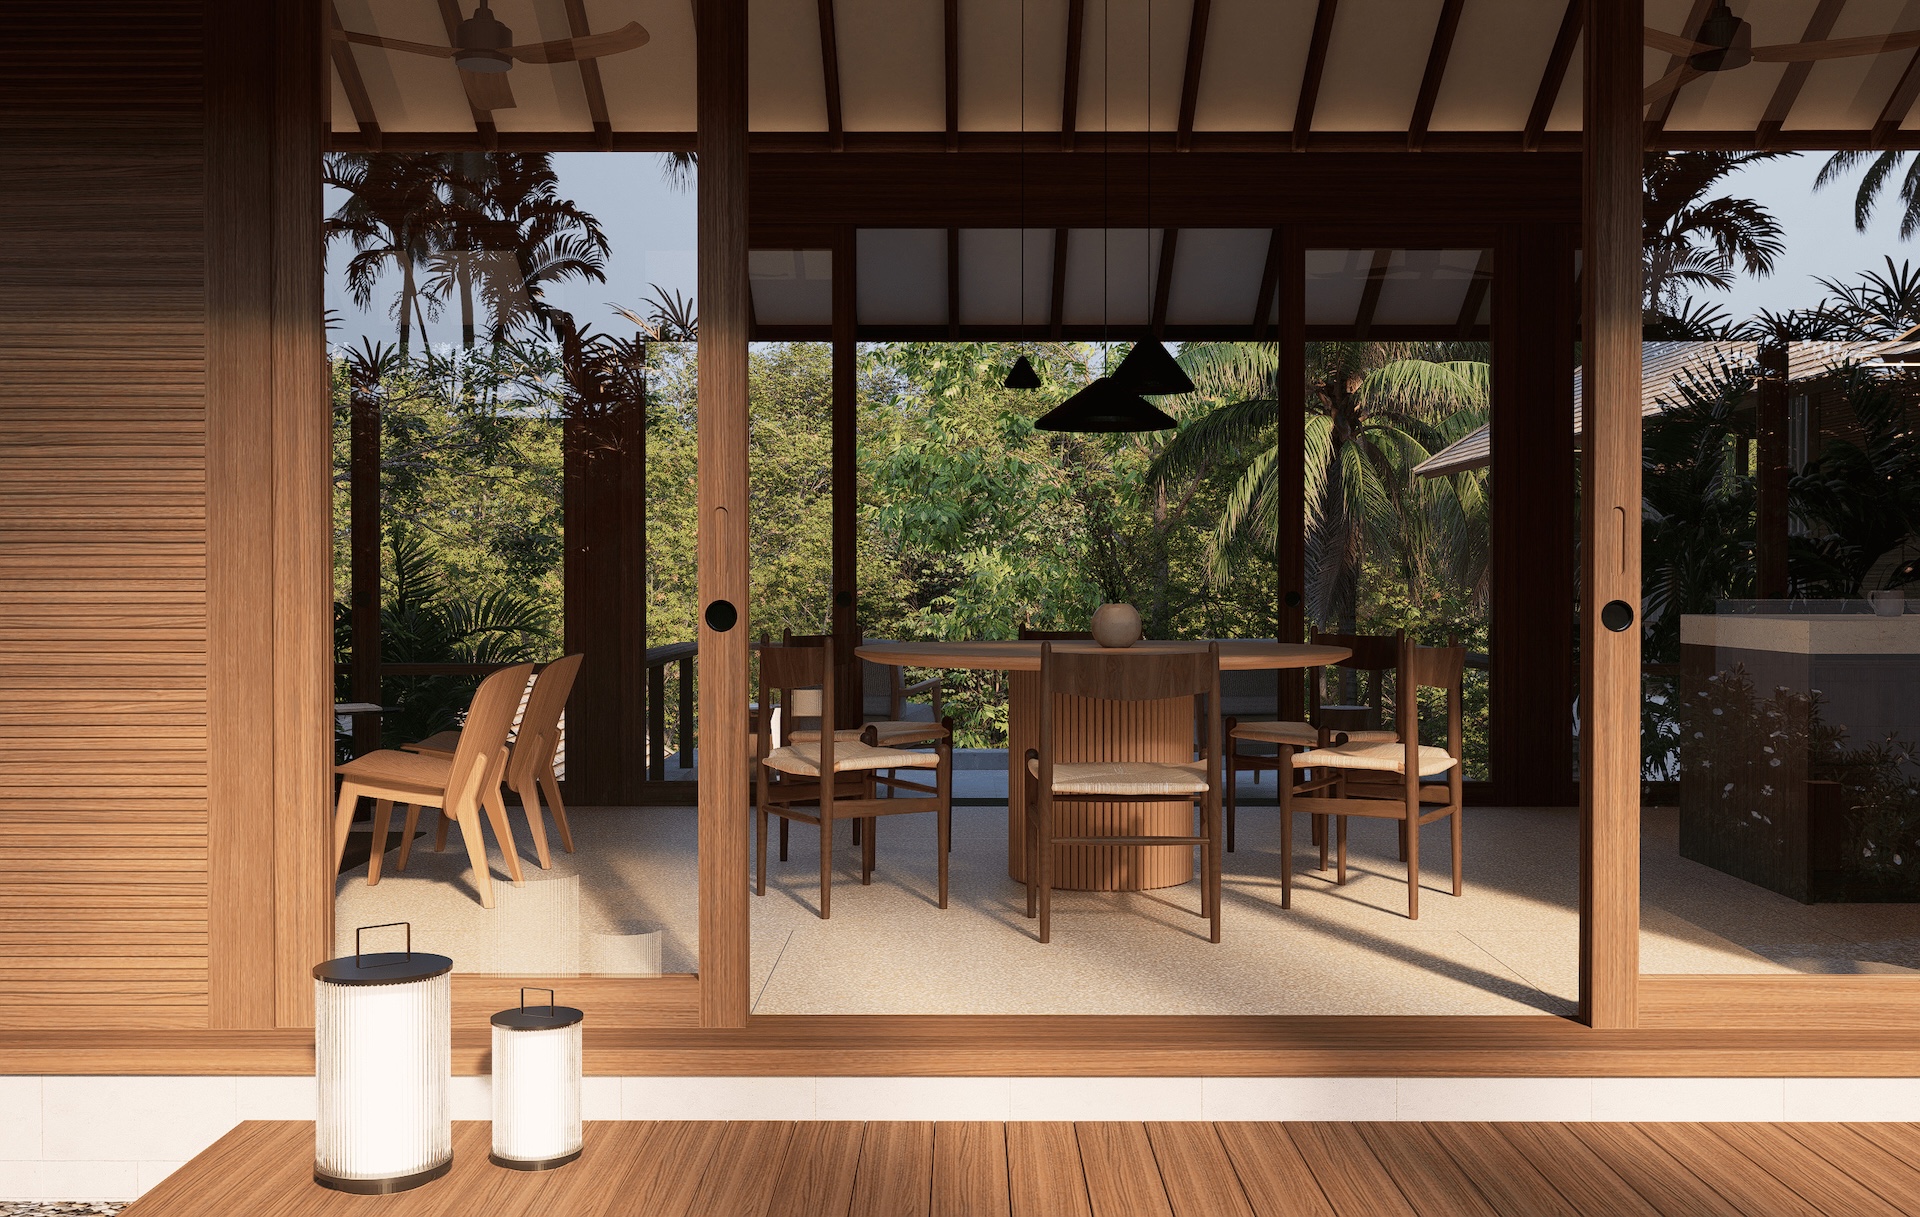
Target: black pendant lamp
(1022, 375)
(1105, 406)
(1728, 39)
(1149, 368)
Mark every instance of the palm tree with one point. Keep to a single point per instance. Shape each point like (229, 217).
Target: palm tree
(1374, 411)
(394, 216)
(1878, 307)
(511, 235)
(1882, 169)
(1693, 241)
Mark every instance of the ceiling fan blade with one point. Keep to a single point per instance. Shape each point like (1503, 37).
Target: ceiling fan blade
(589, 46)
(1673, 44)
(488, 90)
(395, 44)
(1837, 48)
(1672, 82)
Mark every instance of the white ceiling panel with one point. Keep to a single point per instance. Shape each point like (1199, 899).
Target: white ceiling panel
(1335, 280)
(791, 286)
(1494, 68)
(1375, 60)
(1425, 286)
(1216, 275)
(991, 272)
(1118, 61)
(1850, 93)
(652, 88)
(902, 275)
(786, 82)
(1255, 59)
(892, 65)
(409, 92)
(990, 64)
(1737, 100)
(1110, 275)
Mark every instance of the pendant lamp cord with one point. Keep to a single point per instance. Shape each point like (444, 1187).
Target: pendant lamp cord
(1106, 193)
(1023, 171)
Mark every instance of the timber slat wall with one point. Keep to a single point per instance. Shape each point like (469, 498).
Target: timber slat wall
(159, 763)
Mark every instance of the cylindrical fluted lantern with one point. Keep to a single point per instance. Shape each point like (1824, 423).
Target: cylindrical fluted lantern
(536, 1085)
(383, 1043)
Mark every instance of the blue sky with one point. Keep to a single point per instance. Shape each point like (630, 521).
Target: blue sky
(652, 228)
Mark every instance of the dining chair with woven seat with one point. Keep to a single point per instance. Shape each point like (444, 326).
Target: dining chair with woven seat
(1372, 655)
(791, 776)
(1124, 676)
(458, 784)
(1406, 781)
(530, 761)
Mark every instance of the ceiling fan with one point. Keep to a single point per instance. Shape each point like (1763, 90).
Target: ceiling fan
(484, 51)
(1725, 42)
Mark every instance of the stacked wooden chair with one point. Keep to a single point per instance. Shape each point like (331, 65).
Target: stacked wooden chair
(1403, 780)
(1127, 677)
(458, 783)
(530, 761)
(835, 776)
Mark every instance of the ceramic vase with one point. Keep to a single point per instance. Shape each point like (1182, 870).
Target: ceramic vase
(1116, 625)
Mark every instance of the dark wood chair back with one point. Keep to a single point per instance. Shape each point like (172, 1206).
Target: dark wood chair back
(1126, 675)
(1374, 655)
(1429, 668)
(786, 669)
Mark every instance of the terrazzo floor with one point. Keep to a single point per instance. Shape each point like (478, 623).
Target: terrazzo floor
(626, 903)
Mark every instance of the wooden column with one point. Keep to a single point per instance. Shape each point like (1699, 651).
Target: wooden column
(363, 504)
(1533, 541)
(1290, 548)
(1770, 516)
(846, 480)
(1610, 520)
(722, 547)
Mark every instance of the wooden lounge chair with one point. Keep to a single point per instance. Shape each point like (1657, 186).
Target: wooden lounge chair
(529, 760)
(458, 784)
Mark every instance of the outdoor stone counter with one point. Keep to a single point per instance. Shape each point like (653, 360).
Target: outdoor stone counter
(1794, 732)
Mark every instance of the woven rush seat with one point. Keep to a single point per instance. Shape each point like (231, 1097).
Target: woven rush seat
(401, 768)
(804, 759)
(889, 733)
(1383, 757)
(1302, 735)
(1132, 778)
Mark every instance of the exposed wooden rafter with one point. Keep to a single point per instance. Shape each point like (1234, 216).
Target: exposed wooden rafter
(353, 84)
(1269, 284)
(1190, 81)
(1791, 81)
(830, 75)
(1070, 94)
(1443, 33)
(1656, 120)
(1057, 295)
(1163, 280)
(1476, 296)
(953, 75)
(590, 77)
(1370, 295)
(1316, 67)
(1555, 75)
(482, 119)
(1898, 104)
(953, 284)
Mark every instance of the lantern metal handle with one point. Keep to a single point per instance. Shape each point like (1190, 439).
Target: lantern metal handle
(526, 989)
(386, 925)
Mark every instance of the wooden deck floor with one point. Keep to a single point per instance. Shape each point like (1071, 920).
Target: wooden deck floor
(775, 1169)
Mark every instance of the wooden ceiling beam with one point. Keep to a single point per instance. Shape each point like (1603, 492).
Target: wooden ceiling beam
(830, 76)
(1469, 318)
(1269, 284)
(1656, 120)
(1370, 295)
(353, 84)
(1795, 77)
(590, 77)
(1316, 67)
(1070, 93)
(1899, 103)
(953, 75)
(1057, 296)
(1443, 32)
(1190, 80)
(1555, 76)
(1163, 281)
(482, 119)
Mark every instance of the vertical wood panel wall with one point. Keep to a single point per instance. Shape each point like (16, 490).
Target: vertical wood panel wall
(163, 430)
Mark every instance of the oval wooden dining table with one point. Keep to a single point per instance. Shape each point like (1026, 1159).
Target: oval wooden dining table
(1099, 731)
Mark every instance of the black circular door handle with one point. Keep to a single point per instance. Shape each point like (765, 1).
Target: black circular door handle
(722, 616)
(1617, 615)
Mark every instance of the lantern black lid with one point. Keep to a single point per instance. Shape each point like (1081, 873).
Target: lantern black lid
(537, 1018)
(382, 968)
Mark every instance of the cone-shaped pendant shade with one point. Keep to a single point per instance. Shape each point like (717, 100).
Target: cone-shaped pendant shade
(1105, 406)
(1022, 375)
(1148, 368)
